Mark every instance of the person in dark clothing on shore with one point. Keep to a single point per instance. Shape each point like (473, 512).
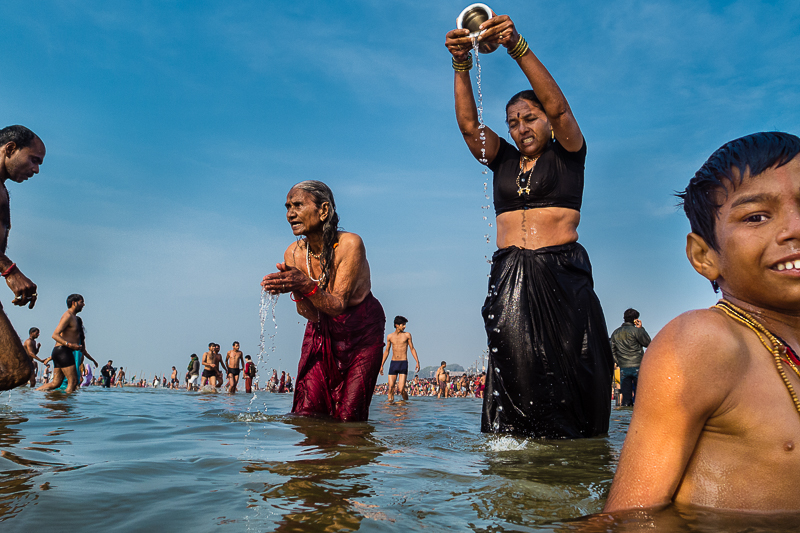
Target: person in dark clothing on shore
(627, 346)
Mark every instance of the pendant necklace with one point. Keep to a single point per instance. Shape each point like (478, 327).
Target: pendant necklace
(527, 179)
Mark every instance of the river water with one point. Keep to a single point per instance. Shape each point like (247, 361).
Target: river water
(143, 459)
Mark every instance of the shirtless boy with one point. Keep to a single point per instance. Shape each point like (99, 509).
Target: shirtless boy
(441, 381)
(398, 342)
(32, 348)
(716, 421)
(70, 347)
(211, 363)
(21, 154)
(235, 365)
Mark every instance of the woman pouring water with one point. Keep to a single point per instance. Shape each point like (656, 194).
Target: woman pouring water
(550, 361)
(327, 273)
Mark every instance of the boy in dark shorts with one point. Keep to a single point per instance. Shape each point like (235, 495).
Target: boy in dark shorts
(717, 416)
(399, 341)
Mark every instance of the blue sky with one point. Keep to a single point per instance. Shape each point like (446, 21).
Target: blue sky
(175, 129)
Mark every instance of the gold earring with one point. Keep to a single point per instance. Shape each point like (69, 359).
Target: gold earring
(552, 134)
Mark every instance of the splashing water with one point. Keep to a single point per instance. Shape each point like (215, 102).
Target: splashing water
(267, 308)
(507, 443)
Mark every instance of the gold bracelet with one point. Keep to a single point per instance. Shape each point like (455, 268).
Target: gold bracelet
(463, 66)
(520, 49)
(517, 47)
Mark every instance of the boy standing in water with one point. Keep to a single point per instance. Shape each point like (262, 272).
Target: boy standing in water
(400, 342)
(717, 419)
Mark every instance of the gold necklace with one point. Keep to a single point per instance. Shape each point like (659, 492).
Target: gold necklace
(527, 189)
(775, 346)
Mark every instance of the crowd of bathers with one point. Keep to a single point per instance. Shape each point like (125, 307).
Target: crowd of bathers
(464, 386)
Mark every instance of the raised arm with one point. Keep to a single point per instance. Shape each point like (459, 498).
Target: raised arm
(500, 29)
(685, 377)
(459, 43)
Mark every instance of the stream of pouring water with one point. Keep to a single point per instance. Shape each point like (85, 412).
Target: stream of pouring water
(484, 162)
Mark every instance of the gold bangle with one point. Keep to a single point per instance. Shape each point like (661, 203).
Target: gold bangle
(463, 66)
(520, 49)
(516, 48)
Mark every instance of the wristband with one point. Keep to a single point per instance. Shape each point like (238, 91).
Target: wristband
(312, 293)
(9, 269)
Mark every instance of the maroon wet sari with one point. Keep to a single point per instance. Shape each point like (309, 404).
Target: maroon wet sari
(340, 363)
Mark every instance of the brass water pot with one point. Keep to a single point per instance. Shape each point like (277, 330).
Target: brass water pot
(471, 19)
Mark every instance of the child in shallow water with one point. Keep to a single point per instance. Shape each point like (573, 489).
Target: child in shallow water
(717, 418)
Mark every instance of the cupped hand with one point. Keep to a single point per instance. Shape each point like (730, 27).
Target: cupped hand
(287, 279)
(23, 288)
(459, 43)
(499, 29)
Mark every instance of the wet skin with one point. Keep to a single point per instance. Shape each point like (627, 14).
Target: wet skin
(714, 424)
(530, 127)
(349, 281)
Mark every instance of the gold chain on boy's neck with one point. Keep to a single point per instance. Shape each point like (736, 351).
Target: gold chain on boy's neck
(775, 346)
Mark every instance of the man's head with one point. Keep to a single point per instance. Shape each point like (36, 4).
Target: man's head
(247, 358)
(443, 364)
(400, 321)
(236, 345)
(109, 362)
(21, 153)
(744, 209)
(211, 346)
(33, 333)
(630, 315)
(75, 302)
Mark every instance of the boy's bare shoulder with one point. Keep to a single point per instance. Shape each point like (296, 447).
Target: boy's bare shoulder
(701, 338)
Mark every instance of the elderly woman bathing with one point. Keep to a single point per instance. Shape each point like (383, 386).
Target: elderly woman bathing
(327, 274)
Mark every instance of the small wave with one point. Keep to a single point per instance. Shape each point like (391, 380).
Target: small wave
(507, 443)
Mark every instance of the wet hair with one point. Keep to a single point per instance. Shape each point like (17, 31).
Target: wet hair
(527, 95)
(32, 331)
(330, 227)
(235, 342)
(754, 154)
(72, 298)
(630, 315)
(443, 363)
(400, 320)
(211, 344)
(21, 136)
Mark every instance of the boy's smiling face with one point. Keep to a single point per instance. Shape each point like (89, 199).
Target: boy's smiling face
(758, 235)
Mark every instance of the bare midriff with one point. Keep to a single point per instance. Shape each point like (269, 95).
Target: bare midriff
(537, 228)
